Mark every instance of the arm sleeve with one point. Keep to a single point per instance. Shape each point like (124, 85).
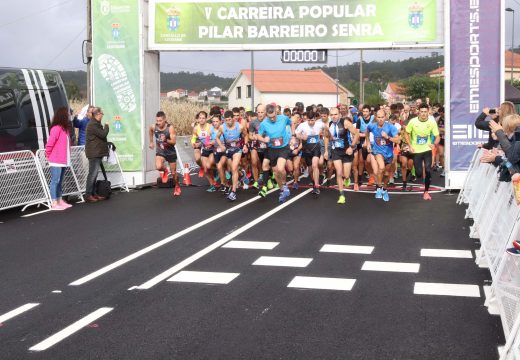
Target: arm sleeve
(481, 123)
(51, 140)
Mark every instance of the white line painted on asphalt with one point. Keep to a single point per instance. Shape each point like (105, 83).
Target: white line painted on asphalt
(56, 291)
(322, 283)
(347, 249)
(204, 277)
(166, 274)
(466, 254)
(11, 314)
(165, 241)
(422, 288)
(390, 266)
(71, 329)
(254, 245)
(282, 261)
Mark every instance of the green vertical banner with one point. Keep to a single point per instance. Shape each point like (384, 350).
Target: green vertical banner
(116, 75)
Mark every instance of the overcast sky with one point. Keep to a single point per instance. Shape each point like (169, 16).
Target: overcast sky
(49, 34)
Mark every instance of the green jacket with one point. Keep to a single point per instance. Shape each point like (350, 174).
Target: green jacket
(96, 144)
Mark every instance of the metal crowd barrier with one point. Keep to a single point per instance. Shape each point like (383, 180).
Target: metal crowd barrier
(22, 182)
(492, 206)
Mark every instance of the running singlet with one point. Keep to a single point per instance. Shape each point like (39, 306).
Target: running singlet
(254, 126)
(277, 132)
(204, 135)
(312, 132)
(362, 124)
(232, 137)
(161, 138)
(421, 132)
(339, 135)
(382, 146)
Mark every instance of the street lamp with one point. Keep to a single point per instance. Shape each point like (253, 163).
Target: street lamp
(439, 83)
(512, 43)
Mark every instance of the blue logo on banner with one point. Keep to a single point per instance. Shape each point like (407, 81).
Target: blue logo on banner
(415, 16)
(173, 22)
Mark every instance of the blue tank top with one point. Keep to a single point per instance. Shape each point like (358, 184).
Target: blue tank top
(232, 137)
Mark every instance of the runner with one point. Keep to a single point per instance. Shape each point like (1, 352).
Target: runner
(201, 123)
(257, 148)
(326, 164)
(293, 162)
(360, 162)
(382, 152)
(273, 132)
(235, 142)
(163, 139)
(310, 132)
(418, 135)
(344, 138)
(209, 146)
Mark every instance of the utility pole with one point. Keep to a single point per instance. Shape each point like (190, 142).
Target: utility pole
(361, 85)
(337, 79)
(252, 81)
(88, 49)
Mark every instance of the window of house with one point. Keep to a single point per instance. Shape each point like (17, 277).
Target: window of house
(239, 92)
(249, 91)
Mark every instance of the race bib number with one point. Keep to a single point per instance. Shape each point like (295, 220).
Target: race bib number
(312, 139)
(277, 142)
(381, 141)
(262, 145)
(339, 143)
(203, 134)
(422, 140)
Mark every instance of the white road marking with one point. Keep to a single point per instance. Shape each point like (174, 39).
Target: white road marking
(466, 254)
(256, 245)
(390, 266)
(166, 274)
(422, 288)
(19, 310)
(204, 277)
(71, 329)
(322, 283)
(347, 249)
(56, 291)
(282, 261)
(165, 241)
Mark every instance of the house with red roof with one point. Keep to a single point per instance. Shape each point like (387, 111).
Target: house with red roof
(286, 87)
(393, 93)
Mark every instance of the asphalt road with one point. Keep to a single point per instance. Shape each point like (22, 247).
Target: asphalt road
(293, 299)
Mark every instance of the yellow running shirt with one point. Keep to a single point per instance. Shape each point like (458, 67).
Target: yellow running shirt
(421, 134)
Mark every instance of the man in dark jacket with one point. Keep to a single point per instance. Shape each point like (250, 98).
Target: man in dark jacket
(96, 148)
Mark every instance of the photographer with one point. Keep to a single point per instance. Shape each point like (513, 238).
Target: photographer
(506, 108)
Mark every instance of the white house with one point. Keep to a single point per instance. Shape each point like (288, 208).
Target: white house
(286, 87)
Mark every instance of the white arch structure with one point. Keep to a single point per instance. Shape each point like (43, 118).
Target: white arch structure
(128, 36)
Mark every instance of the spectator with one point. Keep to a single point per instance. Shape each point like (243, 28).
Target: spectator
(508, 135)
(81, 122)
(57, 151)
(506, 108)
(96, 148)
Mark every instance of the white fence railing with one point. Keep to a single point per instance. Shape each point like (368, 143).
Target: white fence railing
(496, 215)
(21, 181)
(25, 178)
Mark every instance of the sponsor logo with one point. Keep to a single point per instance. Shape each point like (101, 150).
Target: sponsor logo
(173, 20)
(467, 134)
(116, 31)
(105, 7)
(415, 16)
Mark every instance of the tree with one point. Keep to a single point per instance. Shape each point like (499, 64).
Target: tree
(72, 90)
(516, 83)
(421, 87)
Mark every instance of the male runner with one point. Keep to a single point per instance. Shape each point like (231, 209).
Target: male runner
(418, 135)
(382, 153)
(163, 138)
(310, 132)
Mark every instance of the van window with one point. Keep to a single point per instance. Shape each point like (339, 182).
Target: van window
(8, 113)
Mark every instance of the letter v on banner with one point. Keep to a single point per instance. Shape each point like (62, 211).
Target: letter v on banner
(474, 58)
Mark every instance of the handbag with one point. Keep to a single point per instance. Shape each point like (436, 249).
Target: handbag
(103, 187)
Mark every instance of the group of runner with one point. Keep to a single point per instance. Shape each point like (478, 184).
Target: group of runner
(270, 148)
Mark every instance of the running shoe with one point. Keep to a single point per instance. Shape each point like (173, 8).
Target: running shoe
(295, 185)
(513, 251)
(270, 184)
(177, 191)
(201, 172)
(212, 189)
(426, 196)
(305, 173)
(228, 190)
(326, 182)
(284, 194)
(516, 244)
(371, 181)
(356, 187)
(263, 191)
(391, 181)
(164, 176)
(223, 188)
(232, 196)
(386, 197)
(379, 193)
(341, 199)
(255, 185)
(316, 190)
(346, 182)
(443, 174)
(228, 175)
(403, 187)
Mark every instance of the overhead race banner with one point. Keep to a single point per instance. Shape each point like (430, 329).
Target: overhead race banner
(475, 74)
(227, 25)
(116, 72)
